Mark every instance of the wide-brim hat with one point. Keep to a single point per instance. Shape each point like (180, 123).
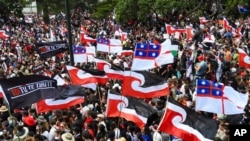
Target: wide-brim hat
(3, 109)
(68, 137)
(41, 119)
(101, 116)
(23, 133)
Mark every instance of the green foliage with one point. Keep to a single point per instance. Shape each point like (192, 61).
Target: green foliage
(231, 7)
(103, 9)
(142, 9)
(13, 7)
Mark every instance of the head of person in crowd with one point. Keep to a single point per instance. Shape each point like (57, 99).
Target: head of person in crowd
(20, 132)
(67, 137)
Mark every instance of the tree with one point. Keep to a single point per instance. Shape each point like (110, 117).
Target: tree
(143, 10)
(231, 8)
(12, 7)
(103, 9)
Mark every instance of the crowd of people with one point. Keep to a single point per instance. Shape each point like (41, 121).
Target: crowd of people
(87, 121)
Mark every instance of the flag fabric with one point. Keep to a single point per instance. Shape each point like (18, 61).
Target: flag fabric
(171, 30)
(203, 20)
(226, 24)
(143, 84)
(60, 81)
(102, 44)
(84, 30)
(3, 35)
(115, 46)
(170, 46)
(145, 55)
(38, 69)
(52, 35)
(26, 90)
(124, 36)
(112, 71)
(126, 52)
(209, 39)
(149, 55)
(129, 108)
(100, 76)
(68, 95)
(50, 49)
(46, 105)
(183, 122)
(66, 91)
(220, 99)
(109, 45)
(83, 54)
(190, 33)
(242, 9)
(87, 39)
(81, 77)
(244, 59)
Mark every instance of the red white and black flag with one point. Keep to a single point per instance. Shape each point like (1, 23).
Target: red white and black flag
(129, 108)
(143, 84)
(86, 76)
(69, 95)
(183, 122)
(112, 71)
(26, 90)
(49, 49)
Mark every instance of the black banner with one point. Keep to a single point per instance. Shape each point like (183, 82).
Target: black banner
(26, 90)
(50, 49)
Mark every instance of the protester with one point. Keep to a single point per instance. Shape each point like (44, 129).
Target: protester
(217, 61)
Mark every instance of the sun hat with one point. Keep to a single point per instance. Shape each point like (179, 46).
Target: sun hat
(22, 132)
(68, 137)
(100, 116)
(3, 109)
(41, 119)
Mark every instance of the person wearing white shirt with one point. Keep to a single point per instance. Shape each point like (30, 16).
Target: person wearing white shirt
(156, 134)
(53, 129)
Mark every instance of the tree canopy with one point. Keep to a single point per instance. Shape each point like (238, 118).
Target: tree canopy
(142, 10)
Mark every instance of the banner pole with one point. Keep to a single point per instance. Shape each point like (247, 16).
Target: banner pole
(69, 32)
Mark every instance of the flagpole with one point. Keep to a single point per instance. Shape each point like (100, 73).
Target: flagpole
(99, 95)
(69, 32)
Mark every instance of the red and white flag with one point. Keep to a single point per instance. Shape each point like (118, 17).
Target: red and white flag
(126, 52)
(47, 105)
(124, 36)
(217, 98)
(83, 54)
(84, 30)
(149, 55)
(244, 59)
(81, 77)
(190, 33)
(171, 30)
(60, 81)
(87, 39)
(109, 45)
(129, 108)
(203, 20)
(112, 71)
(3, 35)
(115, 46)
(143, 84)
(183, 122)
